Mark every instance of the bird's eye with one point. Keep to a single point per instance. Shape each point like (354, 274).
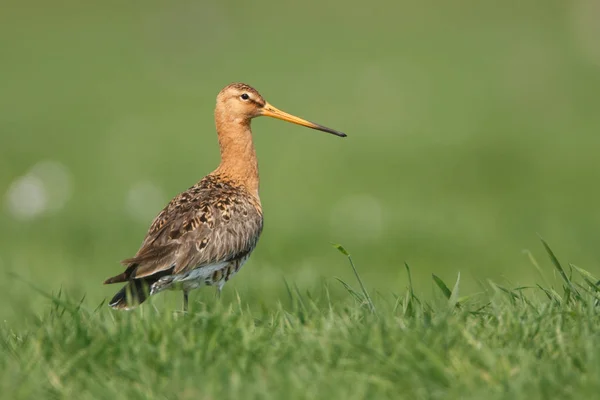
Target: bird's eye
(245, 96)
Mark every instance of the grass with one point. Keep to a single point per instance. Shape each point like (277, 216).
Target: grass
(535, 343)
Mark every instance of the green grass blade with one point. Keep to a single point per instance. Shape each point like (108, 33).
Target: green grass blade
(342, 250)
(453, 299)
(410, 284)
(440, 283)
(559, 267)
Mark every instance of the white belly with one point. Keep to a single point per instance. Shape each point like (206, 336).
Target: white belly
(199, 277)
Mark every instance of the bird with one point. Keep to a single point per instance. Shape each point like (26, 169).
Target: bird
(205, 234)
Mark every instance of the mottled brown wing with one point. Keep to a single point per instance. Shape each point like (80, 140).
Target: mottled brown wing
(209, 223)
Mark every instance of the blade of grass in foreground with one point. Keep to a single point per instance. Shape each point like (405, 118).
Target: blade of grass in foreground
(453, 300)
(561, 271)
(342, 250)
(451, 295)
(440, 283)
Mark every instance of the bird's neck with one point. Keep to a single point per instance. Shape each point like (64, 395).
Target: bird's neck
(238, 156)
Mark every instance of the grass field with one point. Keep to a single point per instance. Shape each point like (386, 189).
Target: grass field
(525, 343)
(472, 129)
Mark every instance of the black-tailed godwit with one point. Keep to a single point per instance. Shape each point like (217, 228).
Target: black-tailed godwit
(205, 234)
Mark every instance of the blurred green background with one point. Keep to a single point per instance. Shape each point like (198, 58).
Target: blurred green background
(473, 126)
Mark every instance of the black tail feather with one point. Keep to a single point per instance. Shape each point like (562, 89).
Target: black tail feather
(131, 295)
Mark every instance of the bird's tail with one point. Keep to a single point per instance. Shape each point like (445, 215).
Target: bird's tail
(131, 295)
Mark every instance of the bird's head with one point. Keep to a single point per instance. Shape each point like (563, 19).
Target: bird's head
(241, 102)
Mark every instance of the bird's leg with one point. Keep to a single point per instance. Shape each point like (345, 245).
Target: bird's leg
(185, 301)
(218, 292)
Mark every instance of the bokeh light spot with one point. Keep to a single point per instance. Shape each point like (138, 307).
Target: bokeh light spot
(45, 188)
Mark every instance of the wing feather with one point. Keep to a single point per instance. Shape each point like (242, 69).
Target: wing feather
(213, 221)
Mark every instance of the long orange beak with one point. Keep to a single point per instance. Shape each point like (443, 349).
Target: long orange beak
(270, 111)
